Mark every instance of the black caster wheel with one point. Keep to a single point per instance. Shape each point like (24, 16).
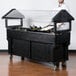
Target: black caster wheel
(64, 65)
(56, 66)
(11, 57)
(22, 58)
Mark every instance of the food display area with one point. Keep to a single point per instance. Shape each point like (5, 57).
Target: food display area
(35, 43)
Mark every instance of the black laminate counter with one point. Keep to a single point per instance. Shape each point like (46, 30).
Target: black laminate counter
(38, 46)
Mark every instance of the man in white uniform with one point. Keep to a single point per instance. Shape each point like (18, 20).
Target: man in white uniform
(60, 26)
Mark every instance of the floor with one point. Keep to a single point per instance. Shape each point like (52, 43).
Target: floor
(30, 68)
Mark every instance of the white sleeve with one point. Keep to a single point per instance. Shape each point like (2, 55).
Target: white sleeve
(66, 8)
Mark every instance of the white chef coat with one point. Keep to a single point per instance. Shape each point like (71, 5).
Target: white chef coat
(62, 6)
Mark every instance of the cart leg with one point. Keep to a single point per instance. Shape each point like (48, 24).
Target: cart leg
(11, 56)
(64, 65)
(56, 66)
(22, 58)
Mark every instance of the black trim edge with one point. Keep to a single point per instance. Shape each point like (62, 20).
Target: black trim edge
(7, 13)
(70, 51)
(3, 50)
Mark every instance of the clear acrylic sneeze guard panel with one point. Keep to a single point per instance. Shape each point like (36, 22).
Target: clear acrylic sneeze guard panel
(13, 22)
(39, 18)
(63, 26)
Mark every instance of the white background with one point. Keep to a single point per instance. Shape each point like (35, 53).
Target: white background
(6, 5)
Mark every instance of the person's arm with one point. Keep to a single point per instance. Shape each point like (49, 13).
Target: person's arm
(59, 25)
